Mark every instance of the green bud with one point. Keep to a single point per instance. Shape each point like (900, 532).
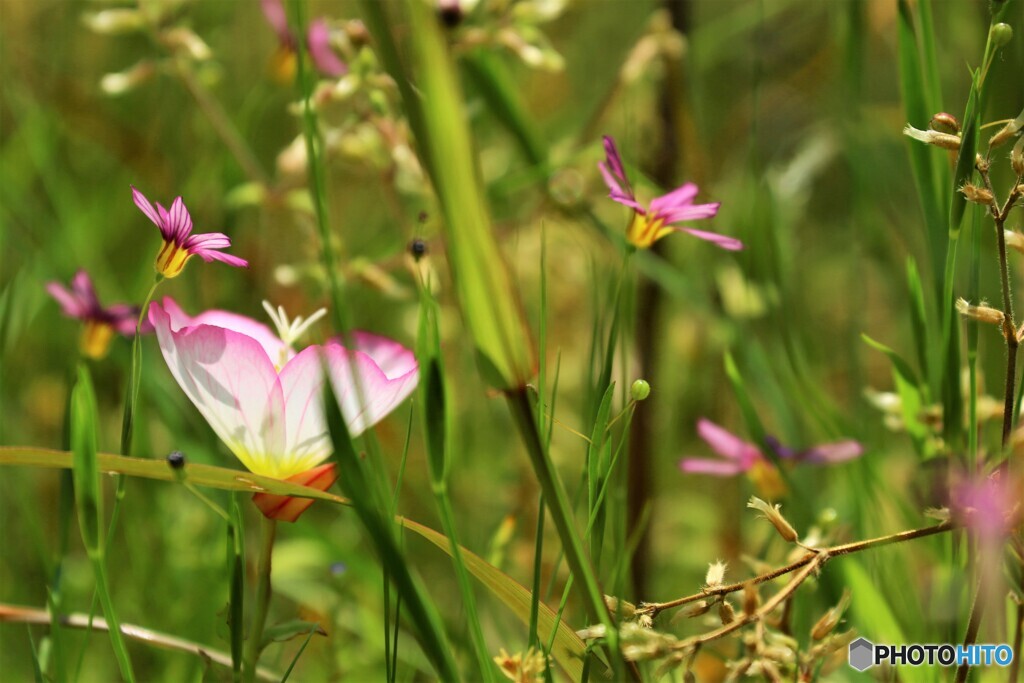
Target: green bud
(1000, 34)
(640, 390)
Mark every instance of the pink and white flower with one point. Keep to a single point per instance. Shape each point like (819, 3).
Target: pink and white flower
(179, 243)
(264, 399)
(100, 323)
(652, 223)
(318, 43)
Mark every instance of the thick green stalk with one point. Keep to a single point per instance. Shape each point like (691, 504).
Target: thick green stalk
(262, 602)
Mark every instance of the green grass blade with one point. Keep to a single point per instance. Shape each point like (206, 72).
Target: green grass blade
(236, 591)
(88, 500)
(371, 507)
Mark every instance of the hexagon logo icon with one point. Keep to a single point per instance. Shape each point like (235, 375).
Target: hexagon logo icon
(862, 654)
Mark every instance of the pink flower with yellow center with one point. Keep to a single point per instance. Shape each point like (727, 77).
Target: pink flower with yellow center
(652, 223)
(264, 399)
(318, 45)
(739, 457)
(99, 323)
(179, 243)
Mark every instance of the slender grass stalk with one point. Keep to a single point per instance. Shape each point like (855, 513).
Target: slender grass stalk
(236, 591)
(268, 530)
(314, 165)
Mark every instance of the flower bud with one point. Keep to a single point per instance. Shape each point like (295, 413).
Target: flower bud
(978, 195)
(1000, 34)
(617, 607)
(830, 619)
(932, 137)
(945, 123)
(1017, 157)
(773, 515)
(176, 459)
(125, 81)
(111, 22)
(187, 41)
(640, 390)
(982, 313)
(696, 609)
(751, 600)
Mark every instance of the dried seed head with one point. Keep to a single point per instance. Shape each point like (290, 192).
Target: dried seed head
(978, 195)
(726, 613)
(1014, 240)
(751, 599)
(933, 137)
(773, 515)
(981, 313)
(1006, 133)
(830, 619)
(716, 574)
(696, 609)
(617, 607)
(1017, 157)
(945, 123)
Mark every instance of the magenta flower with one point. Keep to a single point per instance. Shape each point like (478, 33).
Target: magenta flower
(990, 506)
(318, 44)
(101, 323)
(741, 456)
(264, 399)
(651, 224)
(179, 243)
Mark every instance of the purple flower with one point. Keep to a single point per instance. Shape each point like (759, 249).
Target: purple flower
(101, 323)
(318, 43)
(654, 222)
(179, 243)
(990, 506)
(741, 456)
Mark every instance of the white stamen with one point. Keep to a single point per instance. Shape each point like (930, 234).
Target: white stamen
(290, 332)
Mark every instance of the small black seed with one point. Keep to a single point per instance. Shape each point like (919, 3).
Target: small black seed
(418, 248)
(176, 459)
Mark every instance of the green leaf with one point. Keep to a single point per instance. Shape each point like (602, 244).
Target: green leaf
(568, 649)
(918, 320)
(909, 389)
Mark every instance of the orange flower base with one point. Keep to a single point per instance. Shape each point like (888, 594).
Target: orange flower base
(288, 508)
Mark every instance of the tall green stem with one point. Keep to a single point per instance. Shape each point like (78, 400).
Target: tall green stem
(268, 528)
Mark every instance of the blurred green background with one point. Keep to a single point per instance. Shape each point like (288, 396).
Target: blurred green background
(787, 111)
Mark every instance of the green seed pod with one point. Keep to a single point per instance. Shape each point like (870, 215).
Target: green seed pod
(640, 390)
(1000, 34)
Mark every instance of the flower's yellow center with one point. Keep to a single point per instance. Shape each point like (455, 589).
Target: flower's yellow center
(171, 260)
(643, 232)
(282, 66)
(767, 480)
(95, 341)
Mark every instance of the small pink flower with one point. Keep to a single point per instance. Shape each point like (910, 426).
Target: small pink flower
(654, 222)
(264, 399)
(990, 506)
(82, 303)
(179, 242)
(318, 43)
(740, 456)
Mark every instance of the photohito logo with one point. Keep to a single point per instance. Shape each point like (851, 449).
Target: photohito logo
(864, 654)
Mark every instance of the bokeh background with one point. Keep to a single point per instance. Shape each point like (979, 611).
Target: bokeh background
(789, 112)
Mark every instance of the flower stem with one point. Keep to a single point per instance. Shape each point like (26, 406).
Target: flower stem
(135, 377)
(268, 529)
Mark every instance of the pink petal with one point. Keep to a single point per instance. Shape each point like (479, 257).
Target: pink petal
(274, 12)
(302, 381)
(727, 444)
(232, 382)
(318, 41)
(180, 222)
(393, 359)
(681, 196)
(716, 468)
(614, 161)
(689, 212)
(151, 213)
(271, 343)
(124, 318)
(210, 255)
(365, 393)
(840, 451)
(730, 243)
(69, 303)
